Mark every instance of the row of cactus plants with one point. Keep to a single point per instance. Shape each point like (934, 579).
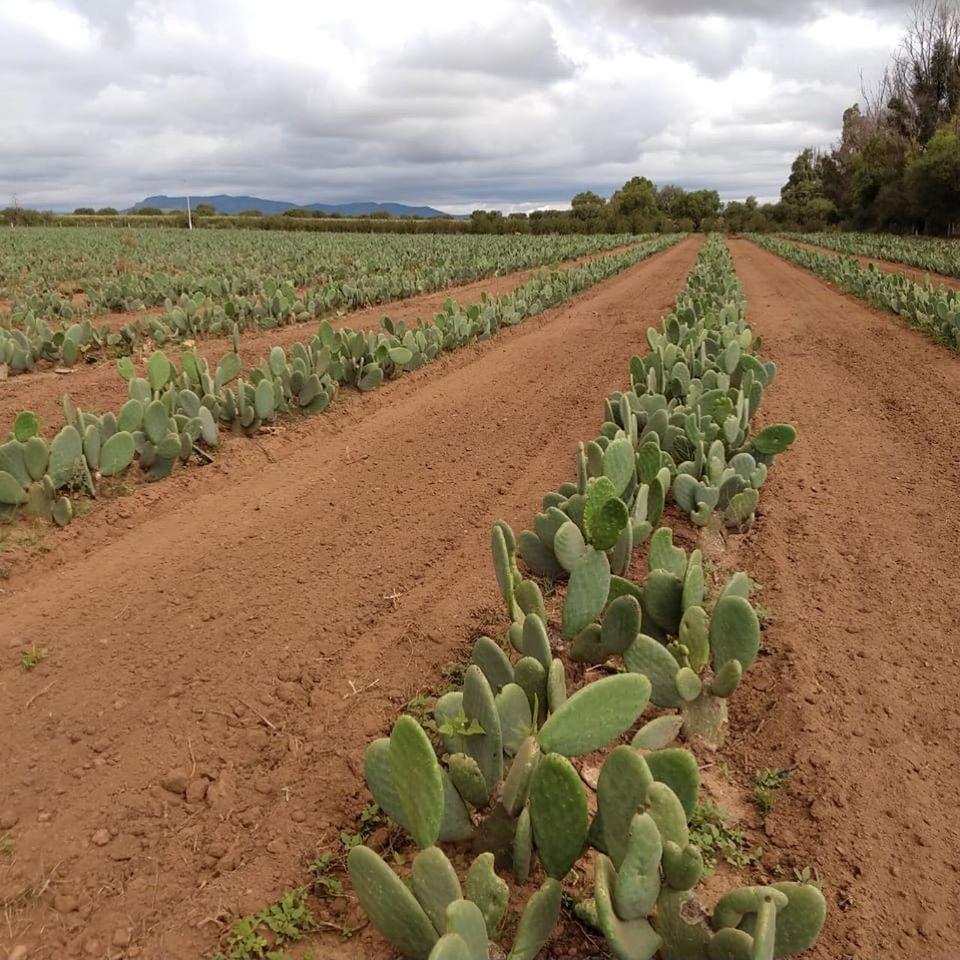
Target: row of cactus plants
(502, 778)
(33, 335)
(933, 310)
(131, 269)
(176, 415)
(935, 254)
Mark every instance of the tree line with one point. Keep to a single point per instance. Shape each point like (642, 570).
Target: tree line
(897, 164)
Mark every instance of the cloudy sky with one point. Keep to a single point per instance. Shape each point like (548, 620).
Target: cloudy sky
(500, 103)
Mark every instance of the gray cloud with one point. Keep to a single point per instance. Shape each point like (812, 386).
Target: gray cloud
(518, 102)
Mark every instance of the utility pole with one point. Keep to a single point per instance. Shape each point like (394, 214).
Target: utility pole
(189, 220)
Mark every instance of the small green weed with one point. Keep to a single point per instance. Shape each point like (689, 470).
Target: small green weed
(284, 922)
(766, 787)
(712, 830)
(29, 659)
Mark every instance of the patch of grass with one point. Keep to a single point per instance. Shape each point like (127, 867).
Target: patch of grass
(370, 818)
(255, 937)
(324, 885)
(29, 659)
(766, 788)
(713, 830)
(6, 846)
(807, 875)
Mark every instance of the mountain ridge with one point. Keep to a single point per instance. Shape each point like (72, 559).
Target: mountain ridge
(229, 204)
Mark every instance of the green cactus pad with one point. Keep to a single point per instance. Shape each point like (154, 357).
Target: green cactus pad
(774, 439)
(621, 625)
(648, 658)
(62, 511)
(156, 421)
(734, 632)
(12, 494)
(35, 457)
(658, 733)
(682, 866)
(605, 515)
(586, 593)
(662, 598)
(595, 715)
(450, 946)
(558, 813)
(523, 847)
(516, 786)
(534, 641)
(739, 585)
(455, 825)
(25, 426)
(628, 939)
(417, 780)
(693, 582)
(619, 464)
(537, 921)
(530, 599)
(569, 545)
(727, 679)
(484, 888)
(516, 717)
(479, 704)
(694, 635)
(798, 923)
(117, 454)
(638, 878)
(379, 777)
(556, 685)
(688, 684)
(158, 370)
(678, 769)
(435, 884)
(740, 509)
(494, 663)
(503, 567)
(667, 810)
(665, 556)
(464, 919)
(538, 557)
(730, 944)
(531, 677)
(131, 416)
(622, 787)
(66, 455)
(468, 779)
(391, 907)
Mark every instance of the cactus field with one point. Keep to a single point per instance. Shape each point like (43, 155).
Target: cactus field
(464, 597)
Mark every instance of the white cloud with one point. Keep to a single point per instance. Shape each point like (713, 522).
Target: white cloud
(510, 103)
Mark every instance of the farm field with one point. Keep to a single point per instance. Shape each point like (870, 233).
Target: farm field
(90, 294)
(194, 669)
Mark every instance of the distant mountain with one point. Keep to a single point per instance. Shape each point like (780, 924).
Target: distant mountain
(232, 205)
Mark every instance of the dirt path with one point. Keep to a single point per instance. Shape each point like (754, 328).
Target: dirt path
(858, 551)
(254, 626)
(889, 266)
(97, 386)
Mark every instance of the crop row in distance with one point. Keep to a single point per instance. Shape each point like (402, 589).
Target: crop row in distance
(176, 415)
